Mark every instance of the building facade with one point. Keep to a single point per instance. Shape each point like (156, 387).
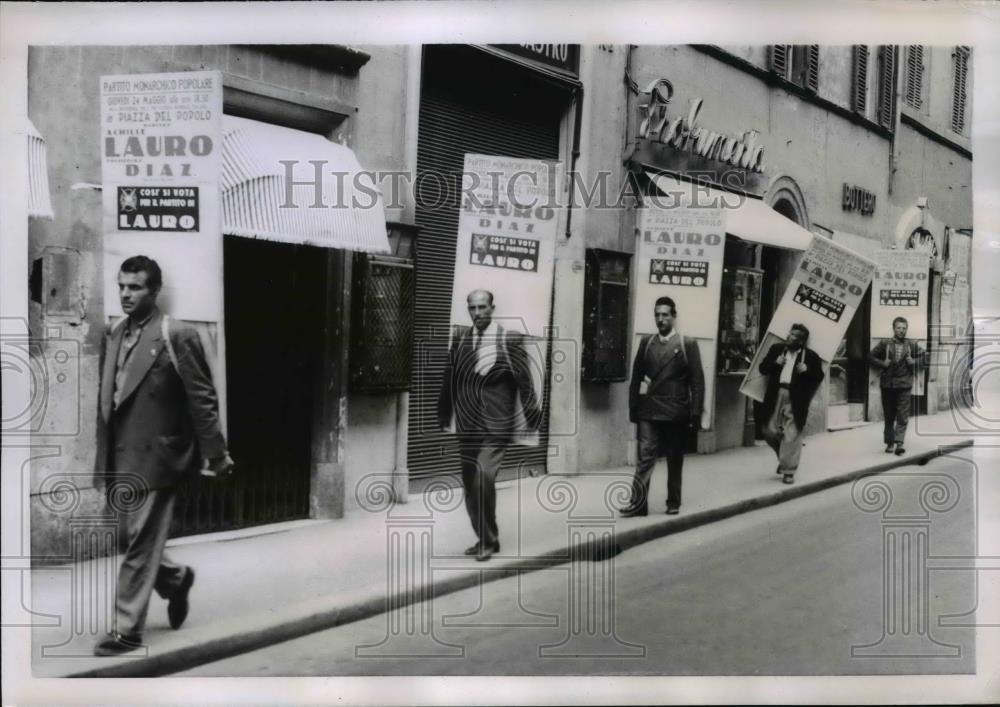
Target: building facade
(330, 358)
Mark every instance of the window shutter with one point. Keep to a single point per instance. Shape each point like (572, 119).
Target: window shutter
(887, 87)
(779, 59)
(960, 95)
(859, 96)
(812, 70)
(914, 75)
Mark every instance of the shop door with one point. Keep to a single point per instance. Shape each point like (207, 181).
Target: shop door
(470, 103)
(275, 297)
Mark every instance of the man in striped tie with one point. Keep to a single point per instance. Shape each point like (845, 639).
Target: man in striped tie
(486, 381)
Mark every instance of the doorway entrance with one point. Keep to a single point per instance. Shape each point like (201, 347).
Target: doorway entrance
(275, 304)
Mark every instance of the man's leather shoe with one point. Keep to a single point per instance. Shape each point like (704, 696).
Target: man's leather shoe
(474, 550)
(900, 451)
(633, 511)
(177, 608)
(117, 643)
(788, 479)
(673, 510)
(778, 470)
(487, 551)
(888, 449)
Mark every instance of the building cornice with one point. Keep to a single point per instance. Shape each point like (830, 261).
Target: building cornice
(934, 135)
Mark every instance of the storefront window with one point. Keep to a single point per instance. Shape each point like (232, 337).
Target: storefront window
(739, 319)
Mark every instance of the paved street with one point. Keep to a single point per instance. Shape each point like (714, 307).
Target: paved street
(783, 590)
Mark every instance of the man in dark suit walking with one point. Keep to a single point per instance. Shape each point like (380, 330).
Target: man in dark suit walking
(159, 416)
(795, 373)
(487, 378)
(666, 397)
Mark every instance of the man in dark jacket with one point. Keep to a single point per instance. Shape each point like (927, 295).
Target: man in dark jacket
(795, 373)
(666, 396)
(486, 380)
(158, 417)
(897, 358)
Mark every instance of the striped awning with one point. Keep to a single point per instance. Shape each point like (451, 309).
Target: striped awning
(258, 203)
(39, 199)
(746, 217)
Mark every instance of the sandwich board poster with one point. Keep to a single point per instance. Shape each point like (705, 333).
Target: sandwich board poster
(825, 291)
(161, 148)
(900, 289)
(507, 227)
(679, 254)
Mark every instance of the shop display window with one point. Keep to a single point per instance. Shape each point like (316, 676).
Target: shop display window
(605, 324)
(739, 319)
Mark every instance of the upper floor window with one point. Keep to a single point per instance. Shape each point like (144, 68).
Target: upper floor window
(874, 83)
(859, 86)
(798, 63)
(913, 90)
(885, 111)
(960, 79)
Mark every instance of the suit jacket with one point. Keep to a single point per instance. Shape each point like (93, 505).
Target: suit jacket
(165, 422)
(677, 383)
(488, 404)
(801, 389)
(895, 374)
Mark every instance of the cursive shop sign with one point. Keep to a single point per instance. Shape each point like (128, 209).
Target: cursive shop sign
(683, 133)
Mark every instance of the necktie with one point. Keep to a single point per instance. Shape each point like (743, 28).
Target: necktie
(486, 355)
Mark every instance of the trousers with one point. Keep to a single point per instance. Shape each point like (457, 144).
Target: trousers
(783, 435)
(482, 456)
(656, 437)
(142, 534)
(896, 407)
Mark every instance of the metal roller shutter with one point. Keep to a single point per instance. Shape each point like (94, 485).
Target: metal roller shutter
(469, 104)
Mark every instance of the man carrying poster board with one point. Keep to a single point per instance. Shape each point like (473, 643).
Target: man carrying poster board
(486, 380)
(794, 373)
(666, 397)
(897, 359)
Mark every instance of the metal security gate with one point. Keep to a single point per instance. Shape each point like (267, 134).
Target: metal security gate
(275, 299)
(470, 103)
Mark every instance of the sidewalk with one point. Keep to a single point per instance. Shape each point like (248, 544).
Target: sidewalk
(297, 578)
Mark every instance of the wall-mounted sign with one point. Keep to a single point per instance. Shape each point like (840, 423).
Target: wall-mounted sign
(682, 132)
(858, 199)
(560, 56)
(161, 146)
(158, 208)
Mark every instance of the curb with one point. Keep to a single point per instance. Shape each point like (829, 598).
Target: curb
(254, 633)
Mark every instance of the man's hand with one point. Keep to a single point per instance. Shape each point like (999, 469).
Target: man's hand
(781, 359)
(800, 367)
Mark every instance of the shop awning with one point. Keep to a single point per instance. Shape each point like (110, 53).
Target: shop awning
(255, 197)
(39, 199)
(746, 217)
